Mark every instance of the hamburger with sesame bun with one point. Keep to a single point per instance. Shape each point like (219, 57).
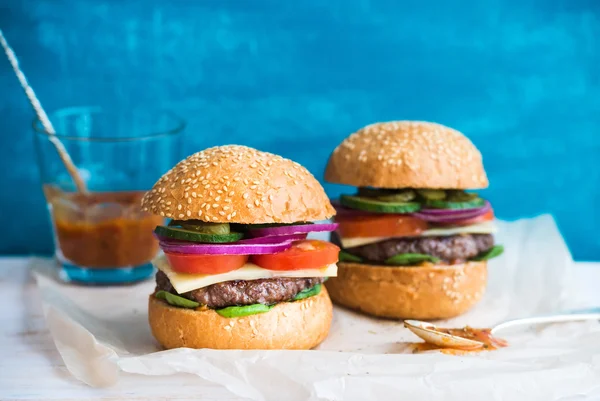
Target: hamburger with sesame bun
(414, 238)
(237, 271)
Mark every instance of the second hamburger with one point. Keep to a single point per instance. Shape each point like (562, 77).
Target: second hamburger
(414, 241)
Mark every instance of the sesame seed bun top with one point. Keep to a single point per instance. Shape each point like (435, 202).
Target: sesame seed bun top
(407, 154)
(237, 184)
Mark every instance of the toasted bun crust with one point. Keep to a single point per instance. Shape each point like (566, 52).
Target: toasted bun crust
(289, 325)
(436, 292)
(407, 154)
(238, 184)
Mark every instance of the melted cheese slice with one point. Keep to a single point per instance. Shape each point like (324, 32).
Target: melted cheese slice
(487, 227)
(188, 282)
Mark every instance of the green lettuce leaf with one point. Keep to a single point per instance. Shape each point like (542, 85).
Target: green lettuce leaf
(176, 300)
(406, 259)
(246, 310)
(491, 253)
(348, 257)
(309, 292)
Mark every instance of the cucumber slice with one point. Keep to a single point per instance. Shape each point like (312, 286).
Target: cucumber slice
(403, 196)
(194, 236)
(432, 194)
(176, 300)
(246, 310)
(442, 204)
(201, 226)
(494, 251)
(307, 293)
(407, 259)
(348, 257)
(372, 205)
(458, 195)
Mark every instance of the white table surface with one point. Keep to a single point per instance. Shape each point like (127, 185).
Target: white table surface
(31, 367)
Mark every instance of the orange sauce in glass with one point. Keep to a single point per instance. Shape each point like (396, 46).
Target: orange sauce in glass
(103, 229)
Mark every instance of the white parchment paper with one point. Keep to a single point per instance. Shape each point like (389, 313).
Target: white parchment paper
(101, 332)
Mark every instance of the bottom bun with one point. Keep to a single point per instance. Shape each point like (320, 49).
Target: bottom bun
(289, 325)
(436, 292)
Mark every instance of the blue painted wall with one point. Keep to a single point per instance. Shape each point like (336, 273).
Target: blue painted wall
(520, 77)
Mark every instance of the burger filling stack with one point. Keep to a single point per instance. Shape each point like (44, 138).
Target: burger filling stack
(414, 236)
(237, 271)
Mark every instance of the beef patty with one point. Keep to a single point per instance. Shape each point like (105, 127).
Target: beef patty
(451, 248)
(241, 292)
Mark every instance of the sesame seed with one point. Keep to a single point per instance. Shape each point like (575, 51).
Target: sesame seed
(199, 212)
(233, 214)
(231, 193)
(179, 207)
(181, 215)
(253, 186)
(249, 206)
(215, 205)
(256, 202)
(215, 218)
(218, 198)
(245, 196)
(225, 207)
(194, 194)
(162, 214)
(169, 203)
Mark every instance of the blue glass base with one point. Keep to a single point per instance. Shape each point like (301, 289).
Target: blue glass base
(105, 276)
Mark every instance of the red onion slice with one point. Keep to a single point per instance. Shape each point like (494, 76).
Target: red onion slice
(234, 248)
(292, 230)
(448, 212)
(272, 239)
(449, 216)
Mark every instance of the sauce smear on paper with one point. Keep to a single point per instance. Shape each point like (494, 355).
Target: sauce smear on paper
(485, 336)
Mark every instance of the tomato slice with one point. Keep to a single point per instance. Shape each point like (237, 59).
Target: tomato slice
(479, 219)
(304, 254)
(205, 264)
(391, 225)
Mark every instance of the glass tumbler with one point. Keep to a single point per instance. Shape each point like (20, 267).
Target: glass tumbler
(102, 236)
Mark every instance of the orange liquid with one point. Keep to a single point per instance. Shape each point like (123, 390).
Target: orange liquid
(103, 229)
